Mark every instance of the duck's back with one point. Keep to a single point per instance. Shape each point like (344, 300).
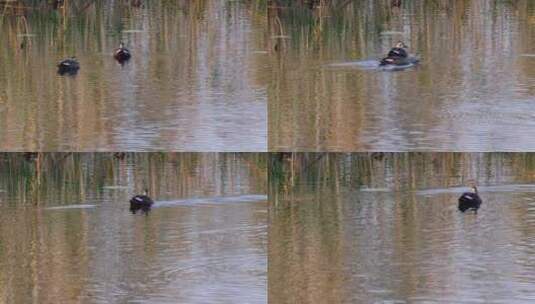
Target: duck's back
(141, 199)
(469, 200)
(69, 64)
(122, 54)
(398, 52)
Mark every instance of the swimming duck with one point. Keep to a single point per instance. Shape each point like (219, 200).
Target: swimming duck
(31, 156)
(68, 66)
(136, 3)
(122, 54)
(141, 202)
(119, 155)
(470, 200)
(398, 55)
(142, 199)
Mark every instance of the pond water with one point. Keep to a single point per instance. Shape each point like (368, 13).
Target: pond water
(353, 229)
(473, 89)
(71, 238)
(195, 81)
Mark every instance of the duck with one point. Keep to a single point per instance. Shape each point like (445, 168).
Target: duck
(378, 155)
(136, 3)
(470, 200)
(68, 66)
(119, 155)
(31, 156)
(398, 56)
(141, 202)
(121, 54)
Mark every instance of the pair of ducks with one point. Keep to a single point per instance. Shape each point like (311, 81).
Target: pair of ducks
(70, 66)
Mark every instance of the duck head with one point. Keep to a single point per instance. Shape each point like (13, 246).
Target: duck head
(401, 45)
(121, 45)
(473, 187)
(146, 192)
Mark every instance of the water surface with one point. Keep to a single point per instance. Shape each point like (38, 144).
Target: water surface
(194, 82)
(473, 90)
(355, 229)
(68, 237)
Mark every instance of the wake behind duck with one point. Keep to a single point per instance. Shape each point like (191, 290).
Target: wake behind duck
(397, 59)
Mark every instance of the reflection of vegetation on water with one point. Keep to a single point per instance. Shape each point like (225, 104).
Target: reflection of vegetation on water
(326, 28)
(332, 20)
(330, 108)
(77, 7)
(182, 50)
(80, 255)
(347, 219)
(23, 21)
(310, 24)
(395, 171)
(34, 178)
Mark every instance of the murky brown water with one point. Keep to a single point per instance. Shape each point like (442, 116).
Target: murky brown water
(195, 81)
(354, 229)
(69, 236)
(473, 91)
